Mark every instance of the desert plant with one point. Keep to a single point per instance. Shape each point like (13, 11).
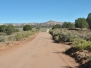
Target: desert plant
(57, 39)
(11, 38)
(2, 39)
(27, 27)
(56, 26)
(10, 29)
(81, 44)
(18, 37)
(81, 23)
(16, 30)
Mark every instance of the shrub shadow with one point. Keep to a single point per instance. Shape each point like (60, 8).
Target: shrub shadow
(59, 52)
(67, 67)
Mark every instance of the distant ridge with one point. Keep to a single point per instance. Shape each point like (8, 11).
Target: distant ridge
(48, 23)
(53, 22)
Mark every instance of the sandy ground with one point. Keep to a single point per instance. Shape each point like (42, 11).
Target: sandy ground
(41, 52)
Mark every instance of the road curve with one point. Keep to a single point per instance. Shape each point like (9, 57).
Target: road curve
(41, 52)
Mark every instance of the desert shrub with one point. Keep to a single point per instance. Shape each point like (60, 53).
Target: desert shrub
(18, 37)
(11, 38)
(55, 32)
(63, 37)
(66, 36)
(81, 44)
(57, 39)
(88, 37)
(10, 29)
(23, 35)
(27, 27)
(26, 34)
(60, 35)
(51, 32)
(56, 26)
(16, 30)
(2, 39)
(2, 28)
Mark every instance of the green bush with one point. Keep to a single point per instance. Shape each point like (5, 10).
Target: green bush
(56, 26)
(10, 29)
(68, 25)
(81, 23)
(89, 20)
(16, 30)
(3, 28)
(27, 27)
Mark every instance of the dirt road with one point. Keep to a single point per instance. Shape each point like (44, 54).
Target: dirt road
(41, 52)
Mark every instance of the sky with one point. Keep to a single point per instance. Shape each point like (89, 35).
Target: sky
(25, 11)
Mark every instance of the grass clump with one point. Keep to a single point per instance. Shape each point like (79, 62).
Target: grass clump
(2, 39)
(18, 37)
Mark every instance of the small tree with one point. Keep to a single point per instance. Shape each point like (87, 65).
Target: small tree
(68, 25)
(27, 27)
(2, 28)
(56, 26)
(10, 29)
(89, 20)
(81, 23)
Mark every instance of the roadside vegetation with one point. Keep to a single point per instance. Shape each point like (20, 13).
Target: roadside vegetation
(7, 30)
(78, 36)
(10, 33)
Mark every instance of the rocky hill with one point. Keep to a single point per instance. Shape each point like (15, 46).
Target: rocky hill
(48, 23)
(51, 22)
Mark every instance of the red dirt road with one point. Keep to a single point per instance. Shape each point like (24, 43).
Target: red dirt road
(41, 52)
